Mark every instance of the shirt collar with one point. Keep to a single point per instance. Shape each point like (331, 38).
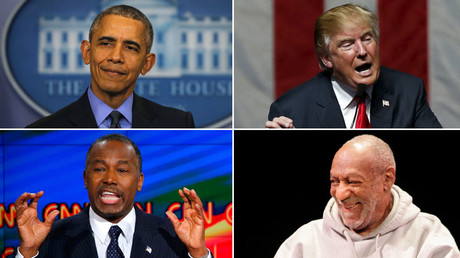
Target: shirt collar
(101, 227)
(102, 110)
(345, 93)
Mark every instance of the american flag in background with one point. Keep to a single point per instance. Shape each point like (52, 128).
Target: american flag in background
(274, 50)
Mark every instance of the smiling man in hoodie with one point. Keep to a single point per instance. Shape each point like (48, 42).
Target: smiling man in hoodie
(369, 216)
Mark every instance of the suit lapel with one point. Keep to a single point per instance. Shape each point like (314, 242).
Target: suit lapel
(382, 105)
(81, 237)
(143, 245)
(81, 114)
(84, 245)
(141, 118)
(143, 242)
(327, 107)
(154, 240)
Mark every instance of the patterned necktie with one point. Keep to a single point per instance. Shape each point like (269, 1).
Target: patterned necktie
(362, 121)
(115, 116)
(113, 250)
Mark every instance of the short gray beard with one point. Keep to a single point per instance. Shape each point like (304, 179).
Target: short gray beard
(368, 208)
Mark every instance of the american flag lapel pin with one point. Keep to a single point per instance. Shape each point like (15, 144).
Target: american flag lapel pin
(385, 103)
(148, 249)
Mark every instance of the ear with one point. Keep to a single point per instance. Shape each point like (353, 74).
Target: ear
(326, 61)
(149, 62)
(85, 51)
(389, 178)
(140, 182)
(84, 179)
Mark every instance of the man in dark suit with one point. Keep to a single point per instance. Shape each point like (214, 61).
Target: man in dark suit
(145, 114)
(346, 43)
(111, 225)
(118, 50)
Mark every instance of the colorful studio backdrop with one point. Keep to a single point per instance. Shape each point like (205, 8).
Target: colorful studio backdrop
(53, 161)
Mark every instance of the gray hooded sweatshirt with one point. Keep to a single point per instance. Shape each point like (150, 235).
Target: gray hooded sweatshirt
(406, 232)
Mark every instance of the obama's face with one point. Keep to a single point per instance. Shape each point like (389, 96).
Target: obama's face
(112, 178)
(117, 54)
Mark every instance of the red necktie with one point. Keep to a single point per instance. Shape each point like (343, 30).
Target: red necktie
(362, 121)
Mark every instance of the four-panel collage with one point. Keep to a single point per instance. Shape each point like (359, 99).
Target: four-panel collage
(131, 128)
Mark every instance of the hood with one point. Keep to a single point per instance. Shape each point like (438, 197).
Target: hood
(403, 212)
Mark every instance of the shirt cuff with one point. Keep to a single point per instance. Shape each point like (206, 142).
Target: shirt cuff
(208, 255)
(19, 255)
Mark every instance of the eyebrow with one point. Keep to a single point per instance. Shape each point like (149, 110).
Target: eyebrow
(353, 175)
(369, 32)
(345, 40)
(99, 161)
(365, 33)
(123, 162)
(103, 161)
(112, 39)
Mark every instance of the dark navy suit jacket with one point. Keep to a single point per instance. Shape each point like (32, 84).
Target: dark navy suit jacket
(72, 237)
(398, 100)
(146, 114)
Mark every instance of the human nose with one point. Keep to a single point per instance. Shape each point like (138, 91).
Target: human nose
(117, 54)
(340, 191)
(360, 48)
(110, 177)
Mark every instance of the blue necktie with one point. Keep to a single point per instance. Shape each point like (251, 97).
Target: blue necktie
(113, 250)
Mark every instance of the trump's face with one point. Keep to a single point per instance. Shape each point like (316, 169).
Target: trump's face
(360, 194)
(354, 56)
(117, 54)
(112, 179)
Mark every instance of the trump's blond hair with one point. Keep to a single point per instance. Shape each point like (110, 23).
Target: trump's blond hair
(337, 19)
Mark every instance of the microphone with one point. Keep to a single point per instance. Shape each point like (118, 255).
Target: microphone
(361, 90)
(359, 94)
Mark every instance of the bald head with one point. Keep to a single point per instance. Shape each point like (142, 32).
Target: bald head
(379, 154)
(362, 174)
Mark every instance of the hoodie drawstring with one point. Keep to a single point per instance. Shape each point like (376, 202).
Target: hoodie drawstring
(352, 245)
(350, 242)
(377, 248)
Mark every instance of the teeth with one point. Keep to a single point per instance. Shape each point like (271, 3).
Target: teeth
(109, 197)
(350, 206)
(108, 193)
(365, 71)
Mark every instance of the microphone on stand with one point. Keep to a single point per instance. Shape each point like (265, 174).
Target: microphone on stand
(359, 94)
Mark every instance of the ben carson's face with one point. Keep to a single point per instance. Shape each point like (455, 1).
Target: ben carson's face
(112, 178)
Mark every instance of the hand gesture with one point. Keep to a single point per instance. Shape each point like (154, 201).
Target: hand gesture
(280, 122)
(191, 230)
(32, 232)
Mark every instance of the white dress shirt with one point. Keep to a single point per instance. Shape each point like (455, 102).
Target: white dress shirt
(345, 95)
(101, 229)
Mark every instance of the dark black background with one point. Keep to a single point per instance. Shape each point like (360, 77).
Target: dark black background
(281, 179)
